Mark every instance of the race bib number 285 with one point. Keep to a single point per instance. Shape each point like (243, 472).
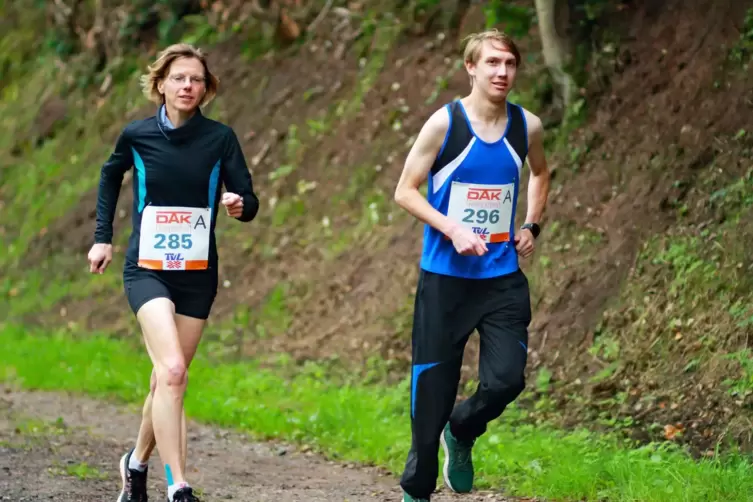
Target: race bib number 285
(486, 210)
(174, 238)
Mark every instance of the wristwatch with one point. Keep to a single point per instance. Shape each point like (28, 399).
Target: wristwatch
(533, 227)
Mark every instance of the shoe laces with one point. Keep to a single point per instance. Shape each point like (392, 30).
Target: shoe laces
(463, 454)
(137, 486)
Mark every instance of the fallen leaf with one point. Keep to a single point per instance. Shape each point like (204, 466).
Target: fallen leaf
(670, 431)
(288, 29)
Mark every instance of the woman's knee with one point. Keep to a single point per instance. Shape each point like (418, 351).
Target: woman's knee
(172, 372)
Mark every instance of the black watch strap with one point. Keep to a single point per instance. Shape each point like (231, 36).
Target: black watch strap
(533, 227)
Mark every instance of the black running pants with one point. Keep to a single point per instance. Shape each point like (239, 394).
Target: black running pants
(447, 311)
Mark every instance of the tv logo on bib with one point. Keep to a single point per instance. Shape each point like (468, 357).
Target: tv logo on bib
(173, 260)
(482, 232)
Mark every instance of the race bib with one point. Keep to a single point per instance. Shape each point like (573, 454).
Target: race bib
(486, 210)
(174, 238)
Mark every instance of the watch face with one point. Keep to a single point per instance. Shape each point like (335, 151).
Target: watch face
(534, 228)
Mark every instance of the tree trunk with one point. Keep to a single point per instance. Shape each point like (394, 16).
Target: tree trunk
(553, 22)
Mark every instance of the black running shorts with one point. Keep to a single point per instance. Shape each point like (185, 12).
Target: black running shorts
(192, 292)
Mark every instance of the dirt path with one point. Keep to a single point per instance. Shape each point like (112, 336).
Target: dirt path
(46, 437)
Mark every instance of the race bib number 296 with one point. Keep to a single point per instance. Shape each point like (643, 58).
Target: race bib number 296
(174, 238)
(486, 210)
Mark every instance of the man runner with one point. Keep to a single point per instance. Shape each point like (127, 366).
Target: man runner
(474, 149)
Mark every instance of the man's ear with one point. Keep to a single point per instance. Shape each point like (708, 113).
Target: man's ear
(470, 68)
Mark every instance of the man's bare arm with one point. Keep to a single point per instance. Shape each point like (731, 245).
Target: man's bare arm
(416, 169)
(538, 184)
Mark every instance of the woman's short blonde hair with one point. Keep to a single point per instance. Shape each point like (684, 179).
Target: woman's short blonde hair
(159, 69)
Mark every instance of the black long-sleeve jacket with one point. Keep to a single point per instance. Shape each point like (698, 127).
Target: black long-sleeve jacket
(174, 167)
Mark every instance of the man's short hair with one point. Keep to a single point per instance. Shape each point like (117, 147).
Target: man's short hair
(475, 40)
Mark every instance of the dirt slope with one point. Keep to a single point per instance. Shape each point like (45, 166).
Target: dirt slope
(663, 126)
(653, 129)
(44, 439)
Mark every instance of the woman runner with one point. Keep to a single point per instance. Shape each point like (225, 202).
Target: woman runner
(181, 159)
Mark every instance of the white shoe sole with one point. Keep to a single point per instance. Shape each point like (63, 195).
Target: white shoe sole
(446, 468)
(122, 496)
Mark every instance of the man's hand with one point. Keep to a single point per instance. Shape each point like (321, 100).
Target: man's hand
(233, 204)
(466, 242)
(524, 243)
(100, 256)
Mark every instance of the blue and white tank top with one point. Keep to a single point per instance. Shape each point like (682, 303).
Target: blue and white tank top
(476, 183)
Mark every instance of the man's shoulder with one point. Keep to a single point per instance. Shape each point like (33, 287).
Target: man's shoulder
(439, 121)
(533, 122)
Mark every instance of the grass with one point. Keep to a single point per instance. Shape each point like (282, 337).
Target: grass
(337, 419)
(82, 471)
(31, 429)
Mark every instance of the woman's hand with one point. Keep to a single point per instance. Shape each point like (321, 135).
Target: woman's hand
(233, 204)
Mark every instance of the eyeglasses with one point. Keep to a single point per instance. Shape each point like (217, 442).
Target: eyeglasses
(181, 79)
